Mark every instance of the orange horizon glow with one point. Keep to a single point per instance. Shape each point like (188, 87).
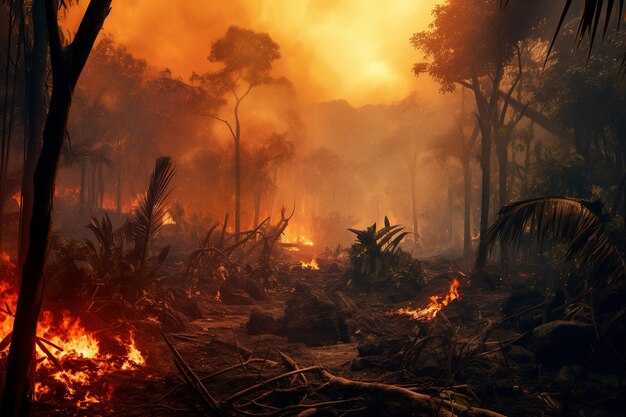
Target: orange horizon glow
(351, 49)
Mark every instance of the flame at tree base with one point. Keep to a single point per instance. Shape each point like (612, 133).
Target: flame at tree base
(436, 304)
(70, 361)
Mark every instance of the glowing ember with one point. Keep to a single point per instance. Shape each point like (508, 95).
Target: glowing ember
(310, 265)
(67, 352)
(218, 296)
(436, 304)
(17, 197)
(168, 219)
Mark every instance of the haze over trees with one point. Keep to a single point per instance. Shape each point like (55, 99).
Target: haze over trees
(144, 210)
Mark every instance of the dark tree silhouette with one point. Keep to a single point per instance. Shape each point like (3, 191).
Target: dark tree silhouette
(247, 57)
(67, 63)
(471, 43)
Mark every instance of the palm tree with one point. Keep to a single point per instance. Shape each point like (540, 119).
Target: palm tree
(590, 17)
(593, 237)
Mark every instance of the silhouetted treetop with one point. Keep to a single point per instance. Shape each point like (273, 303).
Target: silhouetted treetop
(472, 37)
(246, 54)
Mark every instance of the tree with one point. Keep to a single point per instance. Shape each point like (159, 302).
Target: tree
(591, 16)
(36, 81)
(67, 63)
(247, 58)
(465, 151)
(471, 43)
(263, 159)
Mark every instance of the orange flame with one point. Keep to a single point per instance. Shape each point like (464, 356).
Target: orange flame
(290, 237)
(310, 265)
(75, 349)
(436, 304)
(168, 219)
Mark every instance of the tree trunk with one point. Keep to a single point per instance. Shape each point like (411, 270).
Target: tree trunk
(486, 113)
(257, 206)
(539, 118)
(118, 192)
(502, 176)
(467, 210)
(18, 390)
(237, 189)
(502, 197)
(416, 231)
(450, 212)
(36, 86)
(100, 187)
(485, 164)
(83, 174)
(93, 189)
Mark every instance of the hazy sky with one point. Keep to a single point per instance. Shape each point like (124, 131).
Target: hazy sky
(353, 49)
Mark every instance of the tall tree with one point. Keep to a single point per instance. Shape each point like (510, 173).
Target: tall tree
(247, 58)
(37, 92)
(471, 43)
(67, 63)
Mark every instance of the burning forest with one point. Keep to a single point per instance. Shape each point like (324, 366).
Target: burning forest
(312, 208)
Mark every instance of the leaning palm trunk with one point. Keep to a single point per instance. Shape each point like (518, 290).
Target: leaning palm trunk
(583, 226)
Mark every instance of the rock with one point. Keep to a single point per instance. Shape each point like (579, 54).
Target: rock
(233, 291)
(520, 355)
(314, 320)
(567, 376)
(172, 320)
(522, 299)
(255, 291)
(369, 347)
(261, 323)
(559, 343)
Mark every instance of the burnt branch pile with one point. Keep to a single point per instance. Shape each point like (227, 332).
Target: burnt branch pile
(281, 388)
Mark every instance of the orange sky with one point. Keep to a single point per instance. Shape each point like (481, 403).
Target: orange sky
(353, 49)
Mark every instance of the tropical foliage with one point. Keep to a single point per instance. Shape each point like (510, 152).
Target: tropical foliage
(377, 258)
(593, 238)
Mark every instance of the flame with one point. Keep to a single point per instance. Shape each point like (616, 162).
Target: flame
(299, 239)
(17, 197)
(436, 304)
(218, 296)
(134, 356)
(168, 219)
(310, 265)
(74, 348)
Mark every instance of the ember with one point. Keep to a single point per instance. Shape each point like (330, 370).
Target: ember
(436, 304)
(310, 265)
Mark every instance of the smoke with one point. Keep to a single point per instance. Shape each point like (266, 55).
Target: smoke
(354, 113)
(350, 49)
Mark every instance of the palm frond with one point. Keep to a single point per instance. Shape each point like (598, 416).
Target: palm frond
(148, 216)
(592, 13)
(581, 225)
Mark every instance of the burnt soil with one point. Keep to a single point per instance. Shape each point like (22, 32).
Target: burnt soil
(503, 376)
